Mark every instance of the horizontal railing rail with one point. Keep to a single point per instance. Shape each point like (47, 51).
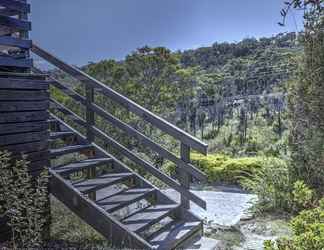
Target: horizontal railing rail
(147, 115)
(185, 168)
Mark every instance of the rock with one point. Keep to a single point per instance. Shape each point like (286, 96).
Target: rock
(204, 243)
(229, 221)
(224, 209)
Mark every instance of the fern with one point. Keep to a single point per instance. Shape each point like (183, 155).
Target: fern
(24, 201)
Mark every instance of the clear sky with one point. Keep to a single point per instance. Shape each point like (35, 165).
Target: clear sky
(80, 31)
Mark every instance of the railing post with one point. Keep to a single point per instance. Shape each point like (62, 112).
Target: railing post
(184, 177)
(91, 173)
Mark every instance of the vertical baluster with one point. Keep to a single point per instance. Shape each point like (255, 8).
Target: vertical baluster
(184, 177)
(91, 173)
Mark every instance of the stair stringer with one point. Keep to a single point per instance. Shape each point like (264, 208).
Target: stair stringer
(94, 215)
(163, 198)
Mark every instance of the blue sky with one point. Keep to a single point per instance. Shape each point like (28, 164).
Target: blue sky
(80, 31)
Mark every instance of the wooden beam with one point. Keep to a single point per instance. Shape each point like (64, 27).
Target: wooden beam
(23, 95)
(15, 23)
(9, 12)
(184, 178)
(25, 76)
(124, 101)
(23, 138)
(15, 5)
(11, 128)
(15, 42)
(15, 106)
(23, 116)
(19, 84)
(147, 166)
(8, 61)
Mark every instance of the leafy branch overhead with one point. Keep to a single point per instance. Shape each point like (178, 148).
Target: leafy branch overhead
(315, 7)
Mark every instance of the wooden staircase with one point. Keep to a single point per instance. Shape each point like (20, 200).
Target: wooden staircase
(102, 190)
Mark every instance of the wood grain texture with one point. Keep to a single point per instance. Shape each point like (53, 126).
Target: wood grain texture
(23, 84)
(12, 62)
(12, 139)
(15, 117)
(15, 42)
(15, 23)
(10, 128)
(15, 5)
(23, 95)
(14, 106)
(26, 148)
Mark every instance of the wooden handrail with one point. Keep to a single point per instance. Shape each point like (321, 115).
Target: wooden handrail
(144, 164)
(145, 114)
(148, 142)
(187, 141)
(147, 166)
(61, 108)
(187, 167)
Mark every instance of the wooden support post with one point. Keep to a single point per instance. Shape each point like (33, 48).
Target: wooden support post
(91, 173)
(184, 177)
(25, 34)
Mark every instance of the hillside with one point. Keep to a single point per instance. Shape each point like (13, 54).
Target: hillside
(219, 93)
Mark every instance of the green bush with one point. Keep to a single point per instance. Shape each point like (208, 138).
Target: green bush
(276, 189)
(221, 168)
(24, 201)
(308, 232)
(272, 184)
(302, 196)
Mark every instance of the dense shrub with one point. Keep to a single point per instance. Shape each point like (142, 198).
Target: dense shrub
(221, 168)
(276, 189)
(24, 201)
(308, 232)
(271, 183)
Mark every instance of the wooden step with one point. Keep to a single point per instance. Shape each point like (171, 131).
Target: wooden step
(95, 216)
(147, 217)
(124, 198)
(68, 150)
(91, 185)
(61, 135)
(176, 234)
(81, 165)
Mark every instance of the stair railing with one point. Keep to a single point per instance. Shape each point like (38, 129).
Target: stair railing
(187, 142)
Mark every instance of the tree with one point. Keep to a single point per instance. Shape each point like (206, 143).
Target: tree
(306, 103)
(152, 74)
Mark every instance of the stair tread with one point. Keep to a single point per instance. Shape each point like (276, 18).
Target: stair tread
(69, 149)
(176, 234)
(57, 135)
(80, 165)
(124, 198)
(148, 216)
(99, 182)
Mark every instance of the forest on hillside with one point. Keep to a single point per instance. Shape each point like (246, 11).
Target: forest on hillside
(219, 93)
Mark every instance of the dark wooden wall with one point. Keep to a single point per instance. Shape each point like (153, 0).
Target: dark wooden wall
(24, 98)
